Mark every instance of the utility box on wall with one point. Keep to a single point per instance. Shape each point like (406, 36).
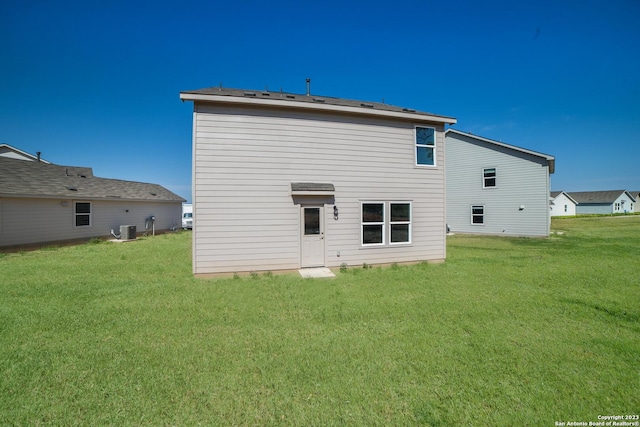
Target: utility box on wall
(127, 232)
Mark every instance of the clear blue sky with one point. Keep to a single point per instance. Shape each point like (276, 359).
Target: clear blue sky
(96, 83)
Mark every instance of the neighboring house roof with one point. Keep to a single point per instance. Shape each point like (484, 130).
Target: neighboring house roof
(598, 196)
(555, 194)
(284, 99)
(41, 180)
(7, 150)
(549, 158)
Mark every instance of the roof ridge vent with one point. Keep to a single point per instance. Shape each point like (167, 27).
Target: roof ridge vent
(249, 94)
(366, 105)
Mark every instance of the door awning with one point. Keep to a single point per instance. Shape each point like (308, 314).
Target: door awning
(312, 189)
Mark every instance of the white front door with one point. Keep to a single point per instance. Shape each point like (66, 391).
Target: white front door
(312, 233)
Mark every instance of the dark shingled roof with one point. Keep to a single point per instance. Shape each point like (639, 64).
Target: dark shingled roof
(311, 99)
(20, 178)
(312, 186)
(596, 196)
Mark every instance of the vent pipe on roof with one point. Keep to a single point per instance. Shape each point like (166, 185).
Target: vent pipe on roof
(38, 154)
(308, 86)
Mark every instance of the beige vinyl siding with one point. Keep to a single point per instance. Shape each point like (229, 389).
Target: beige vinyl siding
(30, 221)
(245, 160)
(522, 179)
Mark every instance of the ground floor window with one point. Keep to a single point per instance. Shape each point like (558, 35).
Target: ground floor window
(477, 215)
(373, 223)
(384, 223)
(400, 222)
(82, 214)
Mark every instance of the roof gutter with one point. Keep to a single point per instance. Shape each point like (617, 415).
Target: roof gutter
(315, 107)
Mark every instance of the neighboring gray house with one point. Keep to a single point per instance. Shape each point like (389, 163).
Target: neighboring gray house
(562, 204)
(603, 202)
(7, 150)
(41, 202)
(496, 188)
(285, 181)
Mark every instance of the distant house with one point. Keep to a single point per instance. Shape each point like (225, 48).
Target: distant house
(603, 202)
(8, 151)
(286, 181)
(41, 202)
(636, 196)
(496, 188)
(562, 204)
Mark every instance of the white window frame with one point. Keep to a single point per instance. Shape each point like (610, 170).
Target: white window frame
(386, 223)
(474, 215)
(484, 178)
(433, 147)
(76, 214)
(409, 223)
(382, 224)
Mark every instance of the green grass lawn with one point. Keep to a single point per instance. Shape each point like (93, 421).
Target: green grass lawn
(509, 331)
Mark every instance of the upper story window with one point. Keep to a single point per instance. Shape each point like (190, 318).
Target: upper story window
(489, 177)
(82, 214)
(425, 146)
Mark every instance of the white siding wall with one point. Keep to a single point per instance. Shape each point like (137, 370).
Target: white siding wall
(246, 159)
(557, 209)
(623, 204)
(522, 180)
(30, 221)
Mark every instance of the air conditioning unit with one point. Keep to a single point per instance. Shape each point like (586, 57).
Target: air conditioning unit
(127, 232)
